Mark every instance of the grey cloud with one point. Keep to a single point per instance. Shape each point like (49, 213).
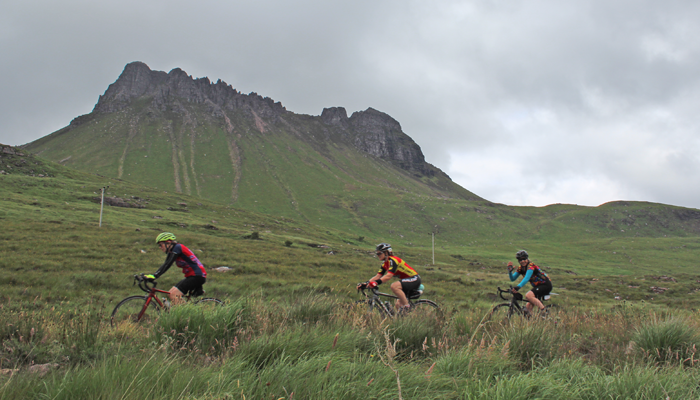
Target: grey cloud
(601, 96)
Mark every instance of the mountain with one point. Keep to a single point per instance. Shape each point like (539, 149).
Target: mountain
(192, 136)
(360, 173)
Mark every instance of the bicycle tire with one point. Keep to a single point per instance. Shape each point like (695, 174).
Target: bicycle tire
(364, 303)
(425, 302)
(422, 307)
(503, 311)
(209, 303)
(375, 306)
(130, 308)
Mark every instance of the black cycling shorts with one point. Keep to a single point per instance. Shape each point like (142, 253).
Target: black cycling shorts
(191, 283)
(542, 290)
(410, 284)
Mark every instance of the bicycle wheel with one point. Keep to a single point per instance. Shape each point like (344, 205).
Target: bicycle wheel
(503, 311)
(424, 307)
(128, 310)
(209, 303)
(425, 304)
(376, 307)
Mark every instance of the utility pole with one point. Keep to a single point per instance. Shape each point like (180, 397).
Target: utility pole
(102, 203)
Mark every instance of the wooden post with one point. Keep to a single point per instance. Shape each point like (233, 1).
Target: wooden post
(102, 204)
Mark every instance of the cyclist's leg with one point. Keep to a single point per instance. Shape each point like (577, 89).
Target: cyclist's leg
(533, 297)
(532, 300)
(396, 289)
(175, 295)
(405, 286)
(187, 285)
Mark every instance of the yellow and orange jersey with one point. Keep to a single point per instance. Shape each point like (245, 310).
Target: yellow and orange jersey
(397, 267)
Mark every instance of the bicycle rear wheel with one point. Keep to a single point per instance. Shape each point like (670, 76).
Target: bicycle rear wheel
(425, 304)
(424, 307)
(128, 310)
(209, 303)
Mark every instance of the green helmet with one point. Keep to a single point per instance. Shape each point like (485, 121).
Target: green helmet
(165, 236)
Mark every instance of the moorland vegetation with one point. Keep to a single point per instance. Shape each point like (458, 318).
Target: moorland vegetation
(289, 328)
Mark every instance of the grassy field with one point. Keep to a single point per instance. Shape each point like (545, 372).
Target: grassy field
(625, 325)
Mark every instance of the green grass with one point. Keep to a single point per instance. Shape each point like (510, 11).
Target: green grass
(257, 348)
(289, 310)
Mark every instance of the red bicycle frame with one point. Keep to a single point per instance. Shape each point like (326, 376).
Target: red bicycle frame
(143, 285)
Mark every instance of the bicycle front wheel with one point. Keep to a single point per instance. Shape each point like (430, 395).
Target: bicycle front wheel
(502, 311)
(376, 306)
(129, 309)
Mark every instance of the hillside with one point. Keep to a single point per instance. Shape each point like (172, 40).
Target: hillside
(359, 174)
(190, 136)
(50, 215)
(290, 327)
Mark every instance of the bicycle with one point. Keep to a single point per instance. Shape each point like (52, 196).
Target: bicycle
(385, 308)
(513, 307)
(146, 308)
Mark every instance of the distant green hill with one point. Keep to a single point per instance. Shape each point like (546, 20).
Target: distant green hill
(52, 246)
(359, 174)
(185, 135)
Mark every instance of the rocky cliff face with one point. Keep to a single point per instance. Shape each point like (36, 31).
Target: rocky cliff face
(378, 134)
(370, 131)
(138, 80)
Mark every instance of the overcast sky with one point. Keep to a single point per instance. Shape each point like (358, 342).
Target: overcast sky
(521, 102)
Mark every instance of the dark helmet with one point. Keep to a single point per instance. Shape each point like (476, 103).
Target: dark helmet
(384, 247)
(521, 255)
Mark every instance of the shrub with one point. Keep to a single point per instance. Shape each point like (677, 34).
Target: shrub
(532, 341)
(667, 340)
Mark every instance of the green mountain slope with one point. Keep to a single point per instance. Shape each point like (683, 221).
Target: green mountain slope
(52, 246)
(210, 141)
(359, 174)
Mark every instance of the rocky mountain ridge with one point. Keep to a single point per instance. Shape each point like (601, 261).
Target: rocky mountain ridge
(370, 131)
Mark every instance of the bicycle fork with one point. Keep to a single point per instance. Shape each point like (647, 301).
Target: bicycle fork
(146, 304)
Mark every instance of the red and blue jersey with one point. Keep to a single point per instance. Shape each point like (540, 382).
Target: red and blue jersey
(188, 262)
(185, 259)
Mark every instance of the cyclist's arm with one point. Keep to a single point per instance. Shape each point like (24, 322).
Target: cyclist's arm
(526, 279)
(169, 260)
(384, 278)
(513, 275)
(377, 277)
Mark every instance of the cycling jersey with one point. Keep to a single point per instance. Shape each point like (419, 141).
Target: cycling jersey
(185, 259)
(531, 273)
(397, 267)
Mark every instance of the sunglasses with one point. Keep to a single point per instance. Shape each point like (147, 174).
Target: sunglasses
(379, 253)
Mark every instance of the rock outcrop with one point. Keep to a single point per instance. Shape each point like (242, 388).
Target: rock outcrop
(370, 131)
(138, 80)
(380, 135)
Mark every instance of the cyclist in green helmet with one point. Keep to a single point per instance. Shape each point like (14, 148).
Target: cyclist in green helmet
(184, 258)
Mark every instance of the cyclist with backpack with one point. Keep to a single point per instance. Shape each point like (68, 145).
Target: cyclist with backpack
(393, 266)
(541, 284)
(195, 274)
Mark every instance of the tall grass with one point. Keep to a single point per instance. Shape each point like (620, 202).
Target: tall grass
(259, 348)
(671, 340)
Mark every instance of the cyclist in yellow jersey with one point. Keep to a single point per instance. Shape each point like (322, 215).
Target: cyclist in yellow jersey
(409, 280)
